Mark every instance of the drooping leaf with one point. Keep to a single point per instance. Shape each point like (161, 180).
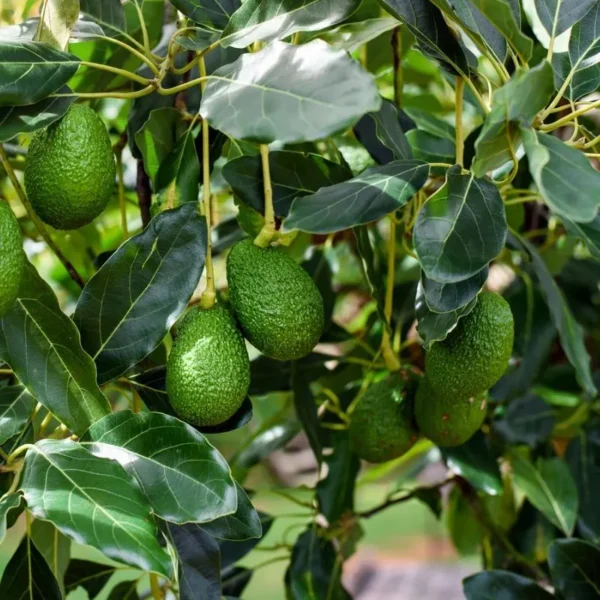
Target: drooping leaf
(258, 21)
(371, 195)
(306, 410)
(93, 501)
(460, 229)
(54, 547)
(235, 581)
(450, 297)
(37, 337)
(109, 14)
(31, 71)
(564, 176)
(182, 476)
(92, 577)
(16, 405)
(465, 531)
(431, 148)
(59, 17)
(558, 15)
(549, 486)
(9, 504)
(213, 13)
(27, 575)
(588, 232)
(574, 569)
(528, 420)
(293, 174)
(491, 585)
(517, 101)
(137, 281)
(328, 92)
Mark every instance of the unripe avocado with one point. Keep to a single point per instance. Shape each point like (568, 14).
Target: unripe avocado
(70, 169)
(12, 257)
(208, 371)
(275, 301)
(381, 425)
(476, 353)
(445, 419)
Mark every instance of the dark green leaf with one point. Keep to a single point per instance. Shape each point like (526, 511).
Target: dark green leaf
(565, 178)
(94, 501)
(475, 462)
(292, 175)
(532, 533)
(27, 575)
(182, 476)
(16, 405)
(257, 21)
(235, 581)
(450, 297)
(306, 410)
(517, 101)
(460, 229)
(197, 39)
(234, 551)
(528, 420)
(37, 337)
(31, 71)
(431, 148)
(434, 36)
(54, 547)
(126, 590)
(351, 36)
(588, 232)
(432, 498)
(92, 577)
(108, 14)
(327, 93)
(549, 486)
(214, 13)
(558, 15)
(138, 281)
(493, 585)
(8, 504)
(368, 197)
(465, 531)
(574, 569)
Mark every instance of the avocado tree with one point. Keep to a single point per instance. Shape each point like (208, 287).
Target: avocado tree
(375, 223)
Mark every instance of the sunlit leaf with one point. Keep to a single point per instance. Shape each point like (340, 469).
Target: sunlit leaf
(213, 13)
(558, 15)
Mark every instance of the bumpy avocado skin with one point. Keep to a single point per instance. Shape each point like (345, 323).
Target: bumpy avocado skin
(276, 303)
(208, 371)
(70, 169)
(381, 426)
(445, 419)
(475, 354)
(12, 258)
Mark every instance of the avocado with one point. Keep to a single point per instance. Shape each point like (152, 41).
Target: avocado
(70, 169)
(476, 353)
(381, 425)
(275, 301)
(446, 419)
(208, 370)
(12, 257)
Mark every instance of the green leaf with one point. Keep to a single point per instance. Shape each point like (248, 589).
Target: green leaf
(565, 178)
(126, 590)
(213, 13)
(327, 93)
(574, 569)
(558, 15)
(256, 21)
(460, 229)
(26, 119)
(235, 582)
(59, 18)
(182, 476)
(16, 405)
(8, 504)
(306, 410)
(588, 232)
(434, 36)
(371, 195)
(492, 585)
(431, 148)
(109, 14)
(474, 462)
(54, 547)
(450, 297)
(233, 551)
(37, 337)
(92, 577)
(293, 174)
(528, 420)
(27, 575)
(351, 36)
(549, 486)
(130, 304)
(465, 531)
(517, 101)
(94, 501)
(507, 21)
(31, 71)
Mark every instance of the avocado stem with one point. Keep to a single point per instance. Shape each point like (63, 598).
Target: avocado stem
(269, 231)
(391, 360)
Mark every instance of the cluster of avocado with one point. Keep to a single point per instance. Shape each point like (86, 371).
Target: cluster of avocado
(449, 404)
(275, 305)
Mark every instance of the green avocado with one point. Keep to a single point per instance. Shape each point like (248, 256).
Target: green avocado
(381, 425)
(12, 257)
(275, 301)
(476, 353)
(445, 419)
(70, 169)
(208, 371)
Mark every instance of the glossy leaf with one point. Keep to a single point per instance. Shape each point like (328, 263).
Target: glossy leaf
(528, 420)
(214, 13)
(465, 531)
(182, 476)
(588, 232)
(306, 410)
(16, 406)
(54, 547)
(450, 297)
(92, 577)
(58, 21)
(368, 197)
(235, 581)
(460, 229)
(558, 15)
(36, 336)
(574, 569)
(256, 21)
(491, 585)
(234, 551)
(292, 175)
(125, 590)
(549, 486)
(431, 148)
(9, 504)
(93, 501)
(328, 92)
(138, 281)
(27, 575)
(109, 14)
